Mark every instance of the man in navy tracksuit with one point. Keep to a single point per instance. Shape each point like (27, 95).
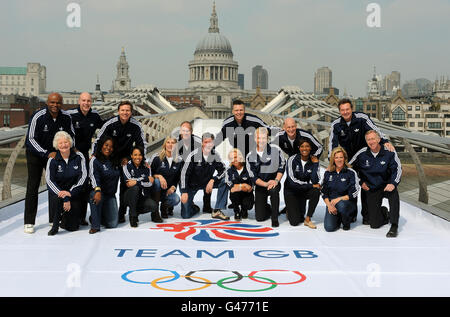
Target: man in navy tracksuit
(126, 132)
(43, 125)
(240, 128)
(85, 122)
(348, 131)
(288, 139)
(380, 172)
(198, 174)
(266, 166)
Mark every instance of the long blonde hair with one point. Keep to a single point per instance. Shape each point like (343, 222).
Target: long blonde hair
(339, 149)
(162, 154)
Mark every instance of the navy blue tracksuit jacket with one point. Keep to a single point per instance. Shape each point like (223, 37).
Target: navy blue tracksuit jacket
(104, 175)
(68, 176)
(352, 137)
(282, 140)
(377, 171)
(336, 184)
(299, 177)
(42, 129)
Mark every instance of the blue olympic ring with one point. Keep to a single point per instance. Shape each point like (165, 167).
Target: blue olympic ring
(125, 276)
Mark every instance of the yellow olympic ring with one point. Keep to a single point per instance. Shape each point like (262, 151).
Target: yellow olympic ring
(154, 284)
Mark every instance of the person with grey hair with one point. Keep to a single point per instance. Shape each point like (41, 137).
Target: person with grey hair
(65, 175)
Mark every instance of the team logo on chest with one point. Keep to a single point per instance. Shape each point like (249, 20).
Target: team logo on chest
(77, 125)
(114, 133)
(367, 163)
(382, 162)
(61, 128)
(75, 167)
(356, 130)
(60, 169)
(45, 128)
(343, 179)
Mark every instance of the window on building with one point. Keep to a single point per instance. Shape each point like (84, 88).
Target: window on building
(409, 108)
(398, 114)
(434, 125)
(417, 115)
(412, 124)
(420, 124)
(219, 99)
(417, 108)
(6, 120)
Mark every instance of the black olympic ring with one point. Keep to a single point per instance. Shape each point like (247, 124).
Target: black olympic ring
(238, 276)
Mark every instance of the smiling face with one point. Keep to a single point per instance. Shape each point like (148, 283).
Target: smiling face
(170, 145)
(290, 126)
(305, 150)
(85, 102)
(124, 113)
(373, 141)
(136, 157)
(64, 145)
(346, 111)
(107, 148)
(339, 160)
(238, 112)
(54, 103)
(186, 131)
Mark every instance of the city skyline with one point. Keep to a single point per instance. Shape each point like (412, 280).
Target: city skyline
(160, 39)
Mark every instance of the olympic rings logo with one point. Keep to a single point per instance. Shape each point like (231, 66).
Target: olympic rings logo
(159, 283)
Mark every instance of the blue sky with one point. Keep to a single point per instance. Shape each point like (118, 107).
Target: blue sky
(290, 38)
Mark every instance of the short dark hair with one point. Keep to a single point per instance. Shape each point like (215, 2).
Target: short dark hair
(304, 140)
(207, 135)
(344, 101)
(125, 102)
(237, 102)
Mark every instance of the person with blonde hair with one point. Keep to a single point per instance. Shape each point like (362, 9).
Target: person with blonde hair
(266, 165)
(166, 169)
(239, 182)
(340, 188)
(65, 176)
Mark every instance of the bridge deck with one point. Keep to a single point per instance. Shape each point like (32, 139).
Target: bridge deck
(145, 261)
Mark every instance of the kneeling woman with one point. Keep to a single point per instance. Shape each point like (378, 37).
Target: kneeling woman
(65, 175)
(139, 182)
(166, 169)
(302, 184)
(104, 173)
(239, 182)
(340, 190)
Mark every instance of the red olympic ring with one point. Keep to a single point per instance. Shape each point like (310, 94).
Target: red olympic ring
(302, 277)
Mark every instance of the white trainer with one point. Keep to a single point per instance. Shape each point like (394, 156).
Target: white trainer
(28, 229)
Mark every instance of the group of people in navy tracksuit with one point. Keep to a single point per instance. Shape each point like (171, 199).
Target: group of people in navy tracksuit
(79, 173)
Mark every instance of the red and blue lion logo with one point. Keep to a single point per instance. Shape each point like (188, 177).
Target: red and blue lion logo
(217, 230)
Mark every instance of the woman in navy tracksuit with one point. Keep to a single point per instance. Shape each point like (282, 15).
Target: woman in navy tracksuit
(65, 176)
(166, 169)
(302, 183)
(340, 188)
(239, 182)
(104, 173)
(139, 180)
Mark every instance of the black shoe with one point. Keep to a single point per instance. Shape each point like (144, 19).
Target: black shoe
(92, 231)
(275, 223)
(53, 231)
(156, 217)
(206, 210)
(346, 227)
(365, 221)
(170, 211)
(122, 219)
(83, 222)
(237, 216)
(354, 219)
(164, 213)
(393, 232)
(244, 214)
(134, 222)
